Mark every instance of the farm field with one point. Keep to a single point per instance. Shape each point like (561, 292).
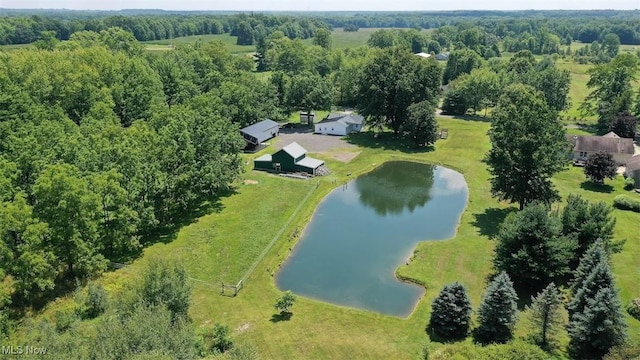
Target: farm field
(224, 243)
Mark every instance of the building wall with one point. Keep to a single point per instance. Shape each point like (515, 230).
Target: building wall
(621, 159)
(331, 129)
(263, 165)
(287, 163)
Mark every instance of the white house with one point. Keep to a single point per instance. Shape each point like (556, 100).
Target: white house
(339, 124)
(423, 55)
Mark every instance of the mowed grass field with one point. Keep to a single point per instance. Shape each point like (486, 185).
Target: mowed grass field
(223, 244)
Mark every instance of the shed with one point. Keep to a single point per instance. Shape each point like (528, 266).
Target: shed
(291, 158)
(633, 169)
(339, 124)
(307, 118)
(260, 132)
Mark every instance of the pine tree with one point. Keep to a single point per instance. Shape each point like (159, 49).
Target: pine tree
(498, 311)
(546, 315)
(451, 312)
(591, 258)
(600, 278)
(599, 328)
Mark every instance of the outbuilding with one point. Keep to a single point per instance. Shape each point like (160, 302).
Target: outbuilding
(291, 158)
(339, 124)
(260, 132)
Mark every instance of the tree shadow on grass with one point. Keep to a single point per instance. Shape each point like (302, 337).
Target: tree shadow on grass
(595, 187)
(434, 337)
(386, 141)
(283, 316)
(469, 117)
(490, 220)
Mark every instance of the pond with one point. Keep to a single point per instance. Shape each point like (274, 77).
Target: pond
(364, 230)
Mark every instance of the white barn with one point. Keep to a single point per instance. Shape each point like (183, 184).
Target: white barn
(339, 124)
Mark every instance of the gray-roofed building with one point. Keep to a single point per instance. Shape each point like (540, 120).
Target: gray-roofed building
(339, 124)
(291, 158)
(584, 146)
(633, 169)
(260, 132)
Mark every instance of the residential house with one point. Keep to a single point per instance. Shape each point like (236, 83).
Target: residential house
(291, 158)
(339, 124)
(260, 132)
(584, 146)
(633, 169)
(442, 57)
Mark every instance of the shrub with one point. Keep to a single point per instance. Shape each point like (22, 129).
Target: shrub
(221, 340)
(64, 319)
(629, 183)
(96, 301)
(634, 308)
(624, 202)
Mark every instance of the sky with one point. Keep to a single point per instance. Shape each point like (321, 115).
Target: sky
(321, 5)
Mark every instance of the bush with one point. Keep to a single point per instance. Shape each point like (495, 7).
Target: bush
(96, 301)
(64, 319)
(624, 202)
(634, 308)
(220, 339)
(629, 183)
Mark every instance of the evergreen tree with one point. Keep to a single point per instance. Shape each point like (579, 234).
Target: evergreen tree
(498, 311)
(600, 278)
(532, 249)
(546, 315)
(599, 328)
(451, 312)
(591, 258)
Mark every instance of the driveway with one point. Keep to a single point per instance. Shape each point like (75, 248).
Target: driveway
(336, 147)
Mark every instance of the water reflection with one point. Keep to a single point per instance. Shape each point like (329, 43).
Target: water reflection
(395, 186)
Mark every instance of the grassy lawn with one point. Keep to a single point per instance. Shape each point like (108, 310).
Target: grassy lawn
(13, 47)
(225, 243)
(228, 40)
(578, 90)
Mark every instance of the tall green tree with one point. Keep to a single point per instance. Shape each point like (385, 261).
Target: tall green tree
(66, 203)
(546, 314)
(600, 166)
(451, 312)
(611, 92)
(322, 38)
(528, 147)
(625, 125)
(460, 62)
(599, 327)
(421, 124)
(309, 92)
(588, 223)
(498, 311)
(392, 80)
(532, 249)
(594, 255)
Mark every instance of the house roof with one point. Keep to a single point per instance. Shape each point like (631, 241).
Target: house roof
(609, 145)
(310, 163)
(261, 130)
(633, 163)
(294, 149)
(344, 118)
(265, 157)
(611, 134)
(423, 55)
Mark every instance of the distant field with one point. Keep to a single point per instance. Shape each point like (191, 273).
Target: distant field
(623, 48)
(578, 90)
(13, 47)
(228, 40)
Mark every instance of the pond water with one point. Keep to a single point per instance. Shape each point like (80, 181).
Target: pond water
(364, 230)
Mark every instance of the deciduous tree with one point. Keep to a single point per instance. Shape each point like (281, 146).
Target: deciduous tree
(546, 314)
(421, 123)
(528, 147)
(600, 166)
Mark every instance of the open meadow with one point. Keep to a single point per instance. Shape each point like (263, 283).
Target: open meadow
(225, 242)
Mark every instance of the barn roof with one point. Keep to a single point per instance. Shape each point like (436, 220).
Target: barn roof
(265, 157)
(310, 163)
(261, 130)
(295, 150)
(611, 145)
(344, 118)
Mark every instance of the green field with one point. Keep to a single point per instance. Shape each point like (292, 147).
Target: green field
(223, 244)
(228, 40)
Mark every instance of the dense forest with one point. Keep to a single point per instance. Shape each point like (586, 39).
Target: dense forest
(105, 148)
